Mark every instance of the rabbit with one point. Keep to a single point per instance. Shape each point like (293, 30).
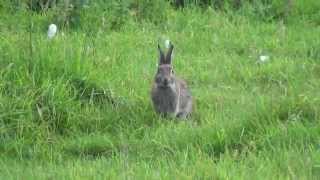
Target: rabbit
(170, 94)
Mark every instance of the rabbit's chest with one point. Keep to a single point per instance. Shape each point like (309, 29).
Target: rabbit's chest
(166, 101)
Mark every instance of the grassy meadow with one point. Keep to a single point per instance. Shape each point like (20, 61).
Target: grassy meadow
(78, 106)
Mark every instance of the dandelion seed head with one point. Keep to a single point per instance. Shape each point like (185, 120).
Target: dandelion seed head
(52, 30)
(263, 58)
(167, 43)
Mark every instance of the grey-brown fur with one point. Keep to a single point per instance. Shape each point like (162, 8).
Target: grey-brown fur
(170, 94)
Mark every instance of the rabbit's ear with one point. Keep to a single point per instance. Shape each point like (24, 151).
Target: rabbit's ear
(169, 54)
(161, 57)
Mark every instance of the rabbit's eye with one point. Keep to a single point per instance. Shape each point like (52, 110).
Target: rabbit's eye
(158, 79)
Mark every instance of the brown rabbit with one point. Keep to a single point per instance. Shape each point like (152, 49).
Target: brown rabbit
(170, 95)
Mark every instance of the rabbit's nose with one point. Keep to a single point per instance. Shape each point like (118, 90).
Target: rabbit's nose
(166, 81)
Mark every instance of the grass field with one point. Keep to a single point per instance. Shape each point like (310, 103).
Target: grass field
(78, 106)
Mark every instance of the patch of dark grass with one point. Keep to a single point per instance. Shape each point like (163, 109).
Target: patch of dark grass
(50, 110)
(16, 148)
(14, 116)
(91, 93)
(296, 109)
(91, 151)
(314, 53)
(93, 146)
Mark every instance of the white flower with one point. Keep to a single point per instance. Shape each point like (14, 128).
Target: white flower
(263, 58)
(52, 30)
(167, 43)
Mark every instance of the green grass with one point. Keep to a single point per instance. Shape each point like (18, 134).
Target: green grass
(78, 106)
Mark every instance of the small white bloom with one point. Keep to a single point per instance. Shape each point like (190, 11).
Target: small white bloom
(167, 43)
(52, 30)
(263, 58)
